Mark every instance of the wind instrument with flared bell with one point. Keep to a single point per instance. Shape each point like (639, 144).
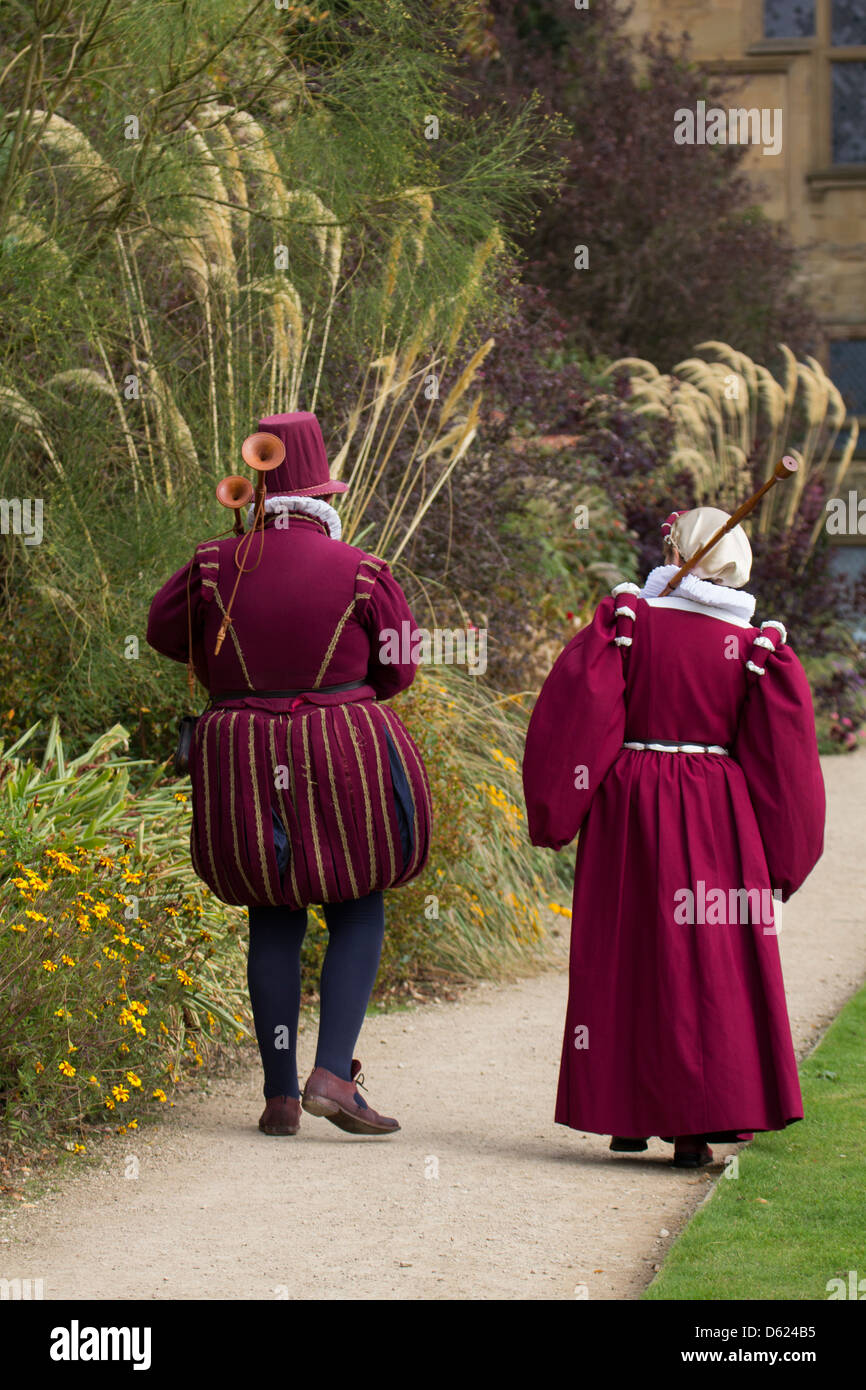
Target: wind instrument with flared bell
(263, 452)
(785, 468)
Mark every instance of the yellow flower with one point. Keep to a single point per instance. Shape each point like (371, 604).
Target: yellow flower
(35, 916)
(179, 796)
(49, 966)
(108, 1102)
(62, 861)
(160, 1096)
(67, 960)
(17, 926)
(79, 1149)
(183, 977)
(99, 910)
(94, 1081)
(120, 1093)
(66, 1068)
(133, 1079)
(39, 1067)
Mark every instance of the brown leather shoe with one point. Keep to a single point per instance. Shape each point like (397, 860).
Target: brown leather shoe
(281, 1115)
(338, 1101)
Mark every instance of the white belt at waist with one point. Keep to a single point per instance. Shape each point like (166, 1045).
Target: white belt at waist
(662, 746)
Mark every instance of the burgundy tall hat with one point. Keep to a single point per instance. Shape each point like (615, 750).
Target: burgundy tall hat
(304, 471)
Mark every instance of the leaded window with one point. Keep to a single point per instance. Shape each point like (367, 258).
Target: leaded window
(848, 21)
(849, 113)
(848, 372)
(791, 19)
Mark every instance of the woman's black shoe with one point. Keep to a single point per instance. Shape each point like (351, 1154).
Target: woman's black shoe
(697, 1159)
(619, 1145)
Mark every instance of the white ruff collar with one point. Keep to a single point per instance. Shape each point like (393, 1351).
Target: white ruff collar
(309, 506)
(716, 596)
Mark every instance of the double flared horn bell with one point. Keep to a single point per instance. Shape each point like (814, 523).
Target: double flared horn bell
(263, 452)
(235, 492)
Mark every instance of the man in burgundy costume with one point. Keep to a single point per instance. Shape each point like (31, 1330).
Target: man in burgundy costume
(306, 787)
(679, 739)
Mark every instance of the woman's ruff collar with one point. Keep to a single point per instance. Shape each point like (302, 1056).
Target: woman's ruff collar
(719, 596)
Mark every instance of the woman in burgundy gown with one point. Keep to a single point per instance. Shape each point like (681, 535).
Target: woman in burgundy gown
(306, 787)
(679, 739)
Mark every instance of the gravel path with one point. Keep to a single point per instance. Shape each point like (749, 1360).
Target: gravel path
(481, 1195)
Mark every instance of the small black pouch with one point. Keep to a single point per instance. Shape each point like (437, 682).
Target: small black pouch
(185, 735)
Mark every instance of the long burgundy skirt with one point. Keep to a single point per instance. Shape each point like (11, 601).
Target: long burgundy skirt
(673, 1027)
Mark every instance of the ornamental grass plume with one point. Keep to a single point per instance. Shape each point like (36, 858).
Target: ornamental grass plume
(733, 420)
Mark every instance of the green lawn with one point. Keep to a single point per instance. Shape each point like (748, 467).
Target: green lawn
(795, 1217)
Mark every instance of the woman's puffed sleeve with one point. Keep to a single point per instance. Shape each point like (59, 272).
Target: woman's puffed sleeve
(777, 749)
(576, 731)
(387, 619)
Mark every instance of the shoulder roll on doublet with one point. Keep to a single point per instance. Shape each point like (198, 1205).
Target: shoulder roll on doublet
(368, 572)
(625, 612)
(207, 557)
(772, 636)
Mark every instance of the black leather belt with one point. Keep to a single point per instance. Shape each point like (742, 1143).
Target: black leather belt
(285, 694)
